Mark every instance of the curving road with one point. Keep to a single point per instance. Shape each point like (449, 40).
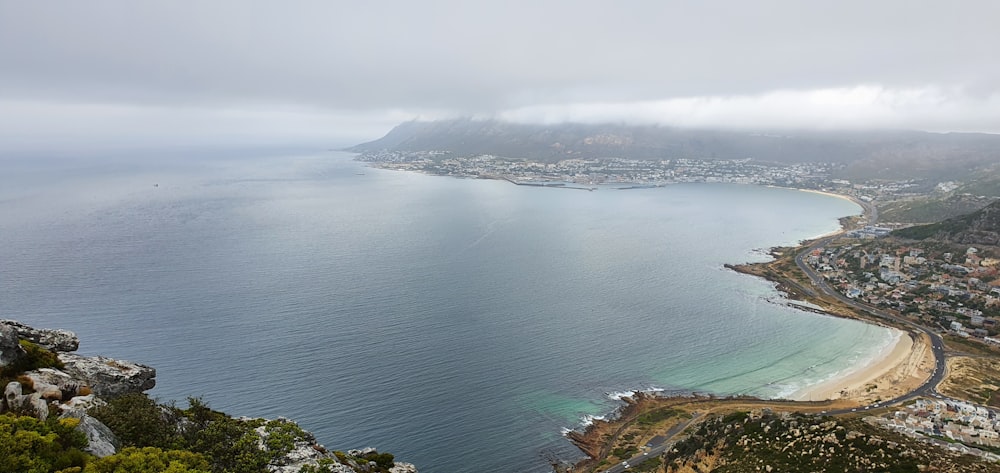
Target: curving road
(937, 344)
(927, 389)
(652, 450)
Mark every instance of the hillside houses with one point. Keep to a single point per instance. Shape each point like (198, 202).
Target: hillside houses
(932, 285)
(955, 424)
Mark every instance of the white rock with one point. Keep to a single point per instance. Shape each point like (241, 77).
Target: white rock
(108, 377)
(55, 340)
(400, 467)
(39, 405)
(10, 349)
(79, 405)
(101, 441)
(12, 396)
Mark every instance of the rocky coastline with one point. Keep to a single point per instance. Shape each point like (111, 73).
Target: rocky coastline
(44, 379)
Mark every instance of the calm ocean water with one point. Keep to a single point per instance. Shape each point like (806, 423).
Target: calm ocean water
(459, 324)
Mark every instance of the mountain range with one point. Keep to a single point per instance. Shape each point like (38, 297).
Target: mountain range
(890, 154)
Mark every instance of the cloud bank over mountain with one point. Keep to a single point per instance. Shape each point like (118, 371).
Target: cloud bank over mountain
(114, 72)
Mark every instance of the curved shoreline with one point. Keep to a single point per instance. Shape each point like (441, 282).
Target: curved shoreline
(840, 385)
(895, 360)
(831, 194)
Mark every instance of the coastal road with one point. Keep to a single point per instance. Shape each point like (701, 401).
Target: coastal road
(937, 344)
(924, 390)
(927, 389)
(653, 449)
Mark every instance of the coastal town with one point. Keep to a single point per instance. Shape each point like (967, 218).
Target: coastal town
(617, 172)
(932, 284)
(611, 171)
(951, 424)
(950, 289)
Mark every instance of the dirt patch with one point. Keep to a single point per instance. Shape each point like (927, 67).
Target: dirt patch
(975, 379)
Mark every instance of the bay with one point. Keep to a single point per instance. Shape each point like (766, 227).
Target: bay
(459, 324)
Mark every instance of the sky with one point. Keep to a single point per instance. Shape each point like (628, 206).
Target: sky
(121, 74)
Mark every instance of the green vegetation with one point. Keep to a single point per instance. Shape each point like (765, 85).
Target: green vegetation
(738, 416)
(625, 452)
(930, 209)
(161, 438)
(138, 421)
(741, 442)
(28, 445)
(653, 417)
(149, 460)
(229, 445)
(969, 228)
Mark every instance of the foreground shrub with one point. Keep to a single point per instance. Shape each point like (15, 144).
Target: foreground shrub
(28, 445)
(149, 460)
(139, 421)
(231, 446)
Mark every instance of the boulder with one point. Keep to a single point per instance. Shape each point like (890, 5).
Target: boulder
(39, 406)
(12, 397)
(55, 340)
(101, 441)
(400, 467)
(10, 348)
(108, 377)
(79, 405)
(31, 404)
(362, 452)
(49, 392)
(297, 467)
(56, 384)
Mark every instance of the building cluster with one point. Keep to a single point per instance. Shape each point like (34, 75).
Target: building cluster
(870, 232)
(955, 425)
(956, 291)
(606, 170)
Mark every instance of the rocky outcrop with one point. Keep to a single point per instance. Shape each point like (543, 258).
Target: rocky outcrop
(14, 400)
(82, 381)
(10, 346)
(307, 453)
(54, 384)
(107, 377)
(55, 340)
(400, 467)
(79, 405)
(101, 441)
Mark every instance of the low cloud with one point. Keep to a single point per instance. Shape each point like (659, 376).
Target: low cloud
(115, 72)
(39, 125)
(867, 106)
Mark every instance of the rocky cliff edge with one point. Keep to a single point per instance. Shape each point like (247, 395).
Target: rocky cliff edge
(44, 378)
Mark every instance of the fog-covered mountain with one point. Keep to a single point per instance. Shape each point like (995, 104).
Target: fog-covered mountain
(866, 154)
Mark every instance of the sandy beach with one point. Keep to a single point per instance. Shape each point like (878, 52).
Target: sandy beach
(899, 368)
(831, 194)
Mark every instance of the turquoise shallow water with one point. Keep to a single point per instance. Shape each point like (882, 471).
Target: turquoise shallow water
(460, 324)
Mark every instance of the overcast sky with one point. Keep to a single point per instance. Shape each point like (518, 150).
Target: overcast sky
(125, 73)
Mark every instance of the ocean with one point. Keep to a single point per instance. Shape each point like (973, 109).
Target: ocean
(459, 324)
